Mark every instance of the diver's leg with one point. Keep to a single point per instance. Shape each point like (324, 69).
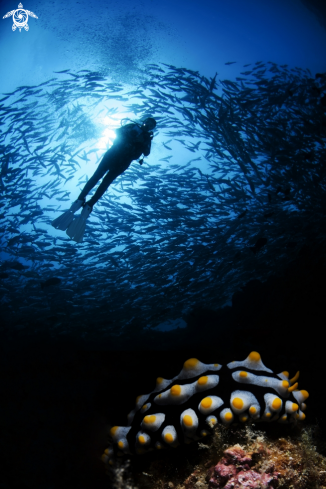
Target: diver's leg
(99, 172)
(106, 182)
(77, 227)
(65, 220)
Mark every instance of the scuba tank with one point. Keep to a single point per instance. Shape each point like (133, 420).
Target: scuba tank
(141, 160)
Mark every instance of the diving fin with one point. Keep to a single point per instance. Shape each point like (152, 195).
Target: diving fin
(63, 221)
(77, 228)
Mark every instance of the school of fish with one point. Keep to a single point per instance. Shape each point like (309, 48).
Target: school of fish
(177, 230)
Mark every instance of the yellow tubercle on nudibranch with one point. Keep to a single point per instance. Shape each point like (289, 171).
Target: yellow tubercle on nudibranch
(186, 407)
(189, 422)
(293, 387)
(291, 407)
(209, 404)
(179, 394)
(300, 416)
(211, 421)
(280, 386)
(252, 362)
(283, 419)
(190, 364)
(119, 432)
(206, 382)
(113, 430)
(243, 418)
(300, 396)
(153, 422)
(143, 439)
(202, 380)
(175, 390)
(295, 378)
(276, 404)
(169, 436)
(193, 367)
(241, 401)
(145, 407)
(226, 416)
(273, 406)
(206, 403)
(243, 374)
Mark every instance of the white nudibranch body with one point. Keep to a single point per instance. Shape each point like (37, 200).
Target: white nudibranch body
(280, 386)
(273, 403)
(187, 407)
(169, 436)
(179, 394)
(226, 416)
(143, 439)
(252, 362)
(241, 401)
(189, 422)
(153, 422)
(209, 404)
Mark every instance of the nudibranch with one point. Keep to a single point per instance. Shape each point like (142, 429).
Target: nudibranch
(185, 408)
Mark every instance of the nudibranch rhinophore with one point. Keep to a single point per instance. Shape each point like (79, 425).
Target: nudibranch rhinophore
(183, 409)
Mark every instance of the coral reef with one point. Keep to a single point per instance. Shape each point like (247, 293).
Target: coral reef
(262, 460)
(234, 472)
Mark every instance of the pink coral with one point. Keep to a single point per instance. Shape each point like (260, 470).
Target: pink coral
(234, 472)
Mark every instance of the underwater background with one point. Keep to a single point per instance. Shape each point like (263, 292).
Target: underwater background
(214, 247)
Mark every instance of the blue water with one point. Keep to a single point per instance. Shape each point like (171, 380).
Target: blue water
(214, 247)
(125, 274)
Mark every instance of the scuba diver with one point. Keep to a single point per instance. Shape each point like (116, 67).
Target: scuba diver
(131, 142)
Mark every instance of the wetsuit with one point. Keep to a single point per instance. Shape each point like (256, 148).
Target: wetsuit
(131, 142)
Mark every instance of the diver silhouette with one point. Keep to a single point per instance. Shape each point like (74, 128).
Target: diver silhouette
(132, 141)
